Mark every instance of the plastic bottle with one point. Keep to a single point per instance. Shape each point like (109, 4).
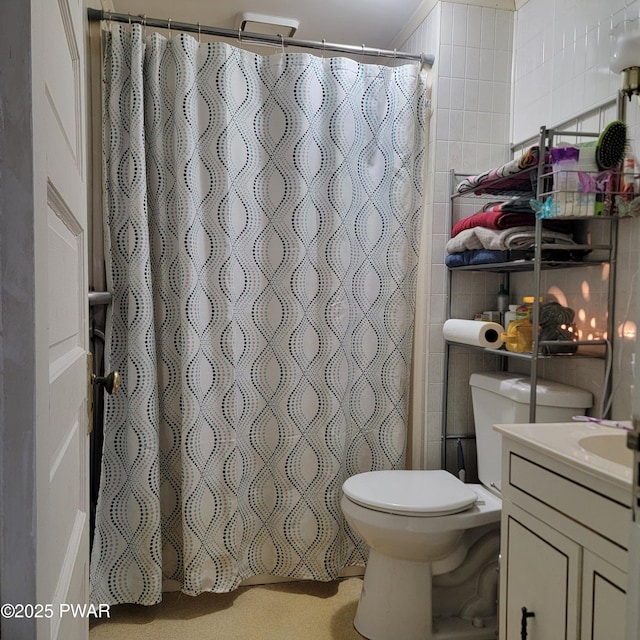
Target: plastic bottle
(519, 337)
(510, 315)
(525, 310)
(503, 299)
(628, 177)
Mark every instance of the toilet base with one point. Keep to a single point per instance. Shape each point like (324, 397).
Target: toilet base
(376, 620)
(395, 599)
(459, 629)
(396, 608)
(400, 600)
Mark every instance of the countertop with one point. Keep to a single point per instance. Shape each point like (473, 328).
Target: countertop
(562, 442)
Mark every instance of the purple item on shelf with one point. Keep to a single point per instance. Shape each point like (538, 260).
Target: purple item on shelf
(564, 154)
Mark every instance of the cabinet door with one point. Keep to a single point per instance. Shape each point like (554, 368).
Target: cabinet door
(542, 573)
(603, 599)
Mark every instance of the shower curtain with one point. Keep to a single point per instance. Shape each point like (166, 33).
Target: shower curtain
(262, 220)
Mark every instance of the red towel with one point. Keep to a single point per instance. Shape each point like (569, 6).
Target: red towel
(504, 215)
(494, 219)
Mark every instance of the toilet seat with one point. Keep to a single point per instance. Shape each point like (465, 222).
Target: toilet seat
(414, 493)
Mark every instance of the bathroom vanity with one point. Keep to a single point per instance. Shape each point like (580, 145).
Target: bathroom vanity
(566, 491)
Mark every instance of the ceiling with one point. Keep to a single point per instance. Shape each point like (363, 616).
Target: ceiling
(374, 23)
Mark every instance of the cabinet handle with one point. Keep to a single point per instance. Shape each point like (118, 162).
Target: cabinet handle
(525, 614)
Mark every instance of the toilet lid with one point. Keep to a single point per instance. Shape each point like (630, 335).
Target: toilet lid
(432, 493)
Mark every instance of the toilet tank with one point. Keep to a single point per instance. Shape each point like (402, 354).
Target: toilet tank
(503, 398)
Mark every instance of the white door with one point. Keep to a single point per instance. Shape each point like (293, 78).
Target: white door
(61, 437)
(48, 500)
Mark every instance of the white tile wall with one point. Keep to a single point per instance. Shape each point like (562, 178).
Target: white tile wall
(560, 72)
(498, 77)
(470, 130)
(561, 61)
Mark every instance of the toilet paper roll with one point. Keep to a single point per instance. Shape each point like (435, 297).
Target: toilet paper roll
(473, 332)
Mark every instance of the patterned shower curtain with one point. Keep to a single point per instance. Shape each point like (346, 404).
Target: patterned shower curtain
(262, 222)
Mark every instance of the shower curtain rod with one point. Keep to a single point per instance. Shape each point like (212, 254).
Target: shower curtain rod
(99, 14)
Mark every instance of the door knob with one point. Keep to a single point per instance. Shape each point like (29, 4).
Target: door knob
(110, 382)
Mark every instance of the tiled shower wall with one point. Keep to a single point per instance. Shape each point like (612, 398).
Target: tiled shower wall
(491, 88)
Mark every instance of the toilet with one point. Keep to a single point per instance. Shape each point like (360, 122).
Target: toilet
(434, 540)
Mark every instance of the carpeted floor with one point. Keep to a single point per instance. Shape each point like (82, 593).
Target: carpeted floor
(283, 611)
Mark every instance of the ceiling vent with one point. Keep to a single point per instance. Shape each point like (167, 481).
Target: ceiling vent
(269, 25)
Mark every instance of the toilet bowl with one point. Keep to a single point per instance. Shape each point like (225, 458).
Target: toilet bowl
(421, 524)
(409, 544)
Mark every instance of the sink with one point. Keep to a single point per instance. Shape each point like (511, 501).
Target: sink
(611, 446)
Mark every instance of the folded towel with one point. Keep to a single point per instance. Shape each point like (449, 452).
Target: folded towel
(502, 239)
(520, 239)
(479, 256)
(514, 205)
(494, 219)
(515, 176)
(518, 212)
(486, 256)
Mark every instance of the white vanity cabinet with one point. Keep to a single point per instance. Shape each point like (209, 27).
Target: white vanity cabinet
(542, 572)
(565, 529)
(604, 598)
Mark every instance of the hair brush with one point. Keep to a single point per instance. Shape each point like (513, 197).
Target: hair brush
(611, 145)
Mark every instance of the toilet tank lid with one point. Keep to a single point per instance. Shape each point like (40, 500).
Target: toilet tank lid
(518, 389)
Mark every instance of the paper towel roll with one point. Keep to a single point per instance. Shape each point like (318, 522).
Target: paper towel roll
(474, 332)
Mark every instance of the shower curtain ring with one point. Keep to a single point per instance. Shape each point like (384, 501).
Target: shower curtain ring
(240, 36)
(199, 33)
(282, 42)
(169, 27)
(144, 26)
(362, 54)
(324, 46)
